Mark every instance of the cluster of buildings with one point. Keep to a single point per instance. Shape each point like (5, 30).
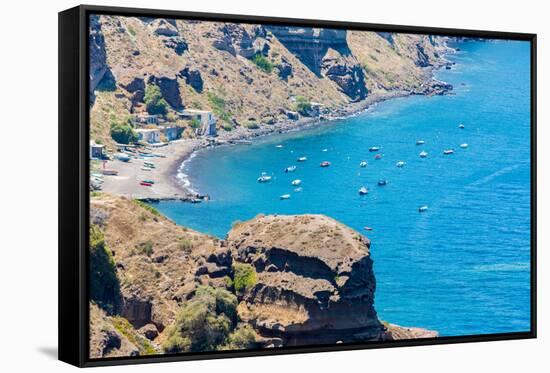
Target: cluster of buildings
(156, 126)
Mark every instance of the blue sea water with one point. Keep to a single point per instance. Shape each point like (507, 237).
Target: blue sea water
(463, 266)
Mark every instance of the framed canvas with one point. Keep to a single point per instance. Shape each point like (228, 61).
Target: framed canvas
(235, 186)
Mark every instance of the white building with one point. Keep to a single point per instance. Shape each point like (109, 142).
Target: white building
(96, 150)
(206, 119)
(149, 135)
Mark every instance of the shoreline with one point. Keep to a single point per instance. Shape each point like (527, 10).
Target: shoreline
(172, 184)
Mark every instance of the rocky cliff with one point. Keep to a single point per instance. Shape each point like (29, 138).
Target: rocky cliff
(249, 74)
(296, 280)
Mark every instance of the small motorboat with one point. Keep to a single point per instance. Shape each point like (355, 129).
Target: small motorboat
(363, 190)
(279, 146)
(420, 142)
(325, 164)
(448, 151)
(296, 182)
(378, 156)
(461, 126)
(423, 154)
(324, 150)
(374, 148)
(423, 208)
(363, 164)
(400, 164)
(290, 169)
(143, 183)
(302, 159)
(264, 178)
(382, 182)
(368, 228)
(285, 196)
(464, 146)
(297, 190)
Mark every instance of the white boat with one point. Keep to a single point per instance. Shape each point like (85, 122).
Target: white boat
(423, 208)
(448, 151)
(296, 182)
(363, 164)
(423, 154)
(400, 164)
(264, 178)
(324, 150)
(464, 146)
(461, 126)
(278, 146)
(420, 142)
(302, 159)
(146, 168)
(290, 169)
(299, 189)
(122, 157)
(374, 148)
(285, 196)
(363, 190)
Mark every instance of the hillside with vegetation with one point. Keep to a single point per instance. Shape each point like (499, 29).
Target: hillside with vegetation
(250, 76)
(156, 287)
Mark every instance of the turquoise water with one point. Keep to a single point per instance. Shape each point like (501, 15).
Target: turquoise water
(460, 268)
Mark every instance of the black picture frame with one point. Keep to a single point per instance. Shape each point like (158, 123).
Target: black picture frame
(74, 188)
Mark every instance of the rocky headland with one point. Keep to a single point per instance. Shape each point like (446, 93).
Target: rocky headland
(275, 281)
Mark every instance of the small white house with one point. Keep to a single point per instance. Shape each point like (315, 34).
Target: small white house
(96, 150)
(206, 118)
(149, 135)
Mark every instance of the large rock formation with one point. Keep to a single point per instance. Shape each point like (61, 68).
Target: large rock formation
(99, 69)
(315, 283)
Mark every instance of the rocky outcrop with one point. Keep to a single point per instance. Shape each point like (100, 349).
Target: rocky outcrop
(315, 282)
(346, 72)
(170, 89)
(193, 78)
(240, 39)
(99, 69)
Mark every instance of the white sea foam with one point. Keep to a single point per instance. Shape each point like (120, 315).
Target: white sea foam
(182, 173)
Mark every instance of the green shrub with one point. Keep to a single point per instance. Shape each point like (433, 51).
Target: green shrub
(263, 63)
(252, 125)
(218, 105)
(194, 123)
(104, 286)
(124, 327)
(147, 207)
(203, 323)
(242, 338)
(123, 133)
(303, 106)
(146, 248)
(186, 245)
(154, 101)
(244, 276)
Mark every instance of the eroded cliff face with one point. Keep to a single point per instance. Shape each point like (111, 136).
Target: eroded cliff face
(258, 71)
(312, 280)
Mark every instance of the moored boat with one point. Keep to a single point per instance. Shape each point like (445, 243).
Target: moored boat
(290, 169)
(378, 156)
(464, 146)
(420, 142)
(363, 164)
(368, 228)
(382, 182)
(423, 154)
(448, 151)
(264, 178)
(325, 164)
(461, 126)
(363, 190)
(374, 148)
(279, 146)
(400, 164)
(423, 208)
(285, 196)
(302, 159)
(296, 182)
(143, 183)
